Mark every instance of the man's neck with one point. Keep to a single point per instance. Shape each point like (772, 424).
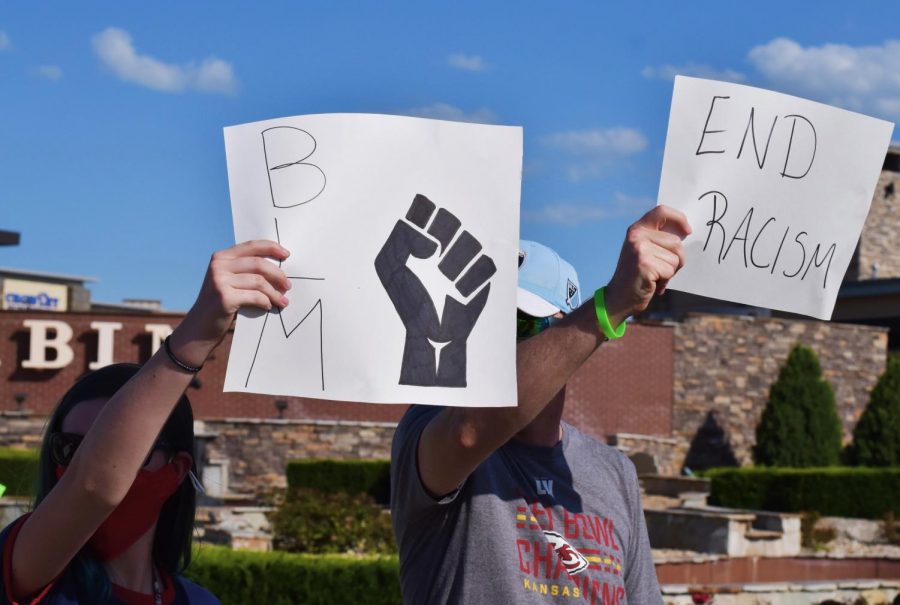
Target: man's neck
(545, 430)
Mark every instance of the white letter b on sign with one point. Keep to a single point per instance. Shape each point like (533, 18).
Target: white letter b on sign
(39, 343)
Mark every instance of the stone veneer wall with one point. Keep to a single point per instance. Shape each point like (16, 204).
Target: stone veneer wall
(667, 453)
(723, 365)
(257, 449)
(878, 243)
(21, 430)
(726, 364)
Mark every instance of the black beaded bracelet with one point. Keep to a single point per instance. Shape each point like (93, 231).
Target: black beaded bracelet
(177, 361)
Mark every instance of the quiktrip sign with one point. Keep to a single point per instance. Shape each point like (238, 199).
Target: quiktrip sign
(23, 295)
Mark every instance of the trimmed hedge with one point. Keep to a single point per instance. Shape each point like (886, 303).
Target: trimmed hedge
(835, 491)
(310, 521)
(18, 471)
(371, 477)
(275, 578)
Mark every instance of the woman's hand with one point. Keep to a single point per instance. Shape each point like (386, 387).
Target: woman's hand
(240, 276)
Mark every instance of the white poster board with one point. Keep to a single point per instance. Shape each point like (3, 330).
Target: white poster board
(403, 235)
(776, 189)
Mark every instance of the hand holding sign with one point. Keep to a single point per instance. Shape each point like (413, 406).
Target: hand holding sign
(778, 188)
(651, 255)
(237, 277)
(435, 352)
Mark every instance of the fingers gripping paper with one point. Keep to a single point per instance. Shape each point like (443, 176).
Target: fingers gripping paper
(403, 235)
(776, 189)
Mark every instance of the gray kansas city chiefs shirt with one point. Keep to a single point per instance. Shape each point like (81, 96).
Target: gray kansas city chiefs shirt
(530, 525)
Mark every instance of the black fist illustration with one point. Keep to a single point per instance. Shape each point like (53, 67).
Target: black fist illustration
(435, 351)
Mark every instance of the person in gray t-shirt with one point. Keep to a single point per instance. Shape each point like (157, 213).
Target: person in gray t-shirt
(512, 505)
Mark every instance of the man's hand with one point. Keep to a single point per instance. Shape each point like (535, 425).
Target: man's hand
(651, 254)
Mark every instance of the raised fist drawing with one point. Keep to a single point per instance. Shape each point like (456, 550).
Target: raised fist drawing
(435, 351)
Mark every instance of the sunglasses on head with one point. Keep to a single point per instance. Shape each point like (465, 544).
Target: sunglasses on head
(527, 325)
(63, 446)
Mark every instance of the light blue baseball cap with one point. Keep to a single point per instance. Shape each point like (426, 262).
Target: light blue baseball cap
(547, 283)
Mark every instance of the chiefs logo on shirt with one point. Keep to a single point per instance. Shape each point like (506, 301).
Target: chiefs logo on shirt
(573, 560)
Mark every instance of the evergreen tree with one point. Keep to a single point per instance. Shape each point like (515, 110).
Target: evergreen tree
(800, 426)
(876, 438)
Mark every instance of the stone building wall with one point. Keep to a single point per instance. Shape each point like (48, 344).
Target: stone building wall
(878, 255)
(21, 430)
(258, 449)
(724, 366)
(666, 452)
(654, 389)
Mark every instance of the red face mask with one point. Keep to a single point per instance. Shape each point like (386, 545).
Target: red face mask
(136, 514)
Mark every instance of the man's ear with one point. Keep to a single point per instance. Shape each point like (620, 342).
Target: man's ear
(183, 462)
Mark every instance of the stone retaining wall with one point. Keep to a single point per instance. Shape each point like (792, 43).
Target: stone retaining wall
(795, 593)
(257, 450)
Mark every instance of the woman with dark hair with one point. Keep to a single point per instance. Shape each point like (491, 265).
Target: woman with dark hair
(114, 511)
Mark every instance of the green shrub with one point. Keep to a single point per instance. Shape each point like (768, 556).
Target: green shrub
(836, 491)
(248, 578)
(876, 438)
(18, 471)
(800, 426)
(371, 477)
(813, 537)
(312, 521)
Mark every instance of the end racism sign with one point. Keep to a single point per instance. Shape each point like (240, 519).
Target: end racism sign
(776, 188)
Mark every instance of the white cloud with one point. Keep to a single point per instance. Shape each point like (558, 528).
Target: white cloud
(49, 72)
(618, 141)
(570, 214)
(862, 78)
(467, 62)
(566, 213)
(595, 150)
(668, 72)
(116, 51)
(444, 111)
(5, 42)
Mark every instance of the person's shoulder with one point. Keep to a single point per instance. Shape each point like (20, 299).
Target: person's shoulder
(417, 411)
(410, 427)
(9, 533)
(196, 594)
(416, 417)
(595, 449)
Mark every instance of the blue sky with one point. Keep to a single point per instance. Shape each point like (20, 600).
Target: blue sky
(111, 156)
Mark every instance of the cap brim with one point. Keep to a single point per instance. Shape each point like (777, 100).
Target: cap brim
(534, 305)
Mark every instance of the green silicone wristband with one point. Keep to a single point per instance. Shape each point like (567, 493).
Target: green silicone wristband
(603, 319)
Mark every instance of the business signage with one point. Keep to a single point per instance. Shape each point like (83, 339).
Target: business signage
(22, 295)
(46, 335)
